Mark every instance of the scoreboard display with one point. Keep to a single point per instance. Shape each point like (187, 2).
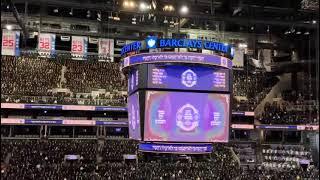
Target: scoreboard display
(179, 77)
(186, 117)
(178, 102)
(188, 78)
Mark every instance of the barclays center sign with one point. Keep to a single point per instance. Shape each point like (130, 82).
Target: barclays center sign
(154, 42)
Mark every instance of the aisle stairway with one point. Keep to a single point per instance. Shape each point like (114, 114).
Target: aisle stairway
(283, 84)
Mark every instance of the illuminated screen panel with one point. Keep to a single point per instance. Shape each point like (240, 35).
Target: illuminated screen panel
(186, 117)
(134, 117)
(133, 80)
(188, 78)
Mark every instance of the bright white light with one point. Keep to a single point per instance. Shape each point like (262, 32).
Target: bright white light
(132, 4)
(128, 4)
(143, 6)
(184, 10)
(298, 32)
(314, 22)
(306, 33)
(168, 8)
(226, 44)
(9, 27)
(242, 45)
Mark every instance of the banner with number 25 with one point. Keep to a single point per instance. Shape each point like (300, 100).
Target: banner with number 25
(10, 43)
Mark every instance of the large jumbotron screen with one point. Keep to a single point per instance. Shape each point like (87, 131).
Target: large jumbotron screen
(186, 117)
(134, 116)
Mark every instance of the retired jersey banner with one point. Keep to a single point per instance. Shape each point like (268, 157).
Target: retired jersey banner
(46, 44)
(10, 43)
(106, 49)
(79, 47)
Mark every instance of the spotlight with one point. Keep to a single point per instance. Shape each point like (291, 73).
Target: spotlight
(144, 6)
(132, 4)
(128, 4)
(9, 27)
(56, 10)
(184, 9)
(125, 4)
(298, 32)
(71, 12)
(306, 33)
(169, 8)
(242, 45)
(314, 21)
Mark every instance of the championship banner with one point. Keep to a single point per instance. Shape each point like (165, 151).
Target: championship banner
(46, 44)
(106, 49)
(79, 47)
(10, 43)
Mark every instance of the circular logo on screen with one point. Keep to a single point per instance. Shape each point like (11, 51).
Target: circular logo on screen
(187, 118)
(133, 118)
(189, 78)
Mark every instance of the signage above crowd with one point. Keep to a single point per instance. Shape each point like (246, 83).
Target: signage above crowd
(79, 46)
(155, 43)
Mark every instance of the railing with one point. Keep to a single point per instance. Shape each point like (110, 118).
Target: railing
(63, 100)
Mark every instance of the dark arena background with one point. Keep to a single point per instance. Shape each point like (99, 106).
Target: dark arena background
(159, 90)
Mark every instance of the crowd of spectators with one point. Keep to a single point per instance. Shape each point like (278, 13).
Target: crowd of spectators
(275, 113)
(285, 157)
(33, 79)
(83, 77)
(251, 88)
(28, 75)
(263, 173)
(245, 152)
(103, 160)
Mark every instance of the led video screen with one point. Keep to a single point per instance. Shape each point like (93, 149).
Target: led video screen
(188, 78)
(134, 117)
(133, 80)
(186, 117)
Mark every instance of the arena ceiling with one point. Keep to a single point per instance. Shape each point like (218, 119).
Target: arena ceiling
(242, 12)
(101, 17)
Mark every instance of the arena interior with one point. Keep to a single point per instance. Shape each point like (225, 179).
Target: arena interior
(160, 90)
